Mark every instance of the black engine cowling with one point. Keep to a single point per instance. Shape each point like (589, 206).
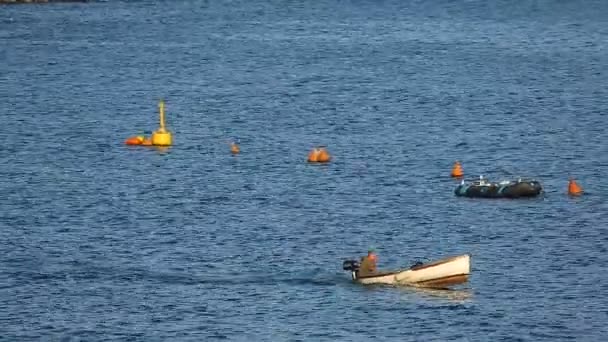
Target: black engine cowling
(350, 265)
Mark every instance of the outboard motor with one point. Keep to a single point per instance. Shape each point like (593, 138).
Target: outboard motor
(352, 266)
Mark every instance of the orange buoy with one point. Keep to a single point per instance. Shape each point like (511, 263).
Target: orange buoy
(313, 156)
(574, 189)
(234, 148)
(147, 142)
(134, 140)
(457, 170)
(323, 156)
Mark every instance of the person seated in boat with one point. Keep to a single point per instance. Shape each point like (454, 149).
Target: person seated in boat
(368, 264)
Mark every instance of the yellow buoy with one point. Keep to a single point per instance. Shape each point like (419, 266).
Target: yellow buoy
(162, 137)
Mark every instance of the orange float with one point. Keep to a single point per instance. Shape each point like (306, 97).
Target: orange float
(313, 156)
(134, 140)
(319, 155)
(457, 170)
(323, 156)
(234, 148)
(573, 188)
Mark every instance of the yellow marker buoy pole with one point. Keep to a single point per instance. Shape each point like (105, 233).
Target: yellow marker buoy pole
(161, 137)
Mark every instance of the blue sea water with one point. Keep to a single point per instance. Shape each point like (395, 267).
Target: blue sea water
(100, 241)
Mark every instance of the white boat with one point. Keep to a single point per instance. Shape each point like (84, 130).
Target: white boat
(439, 274)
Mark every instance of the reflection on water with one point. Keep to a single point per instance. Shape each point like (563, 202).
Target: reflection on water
(460, 295)
(162, 149)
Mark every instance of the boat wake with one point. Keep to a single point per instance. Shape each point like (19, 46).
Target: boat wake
(256, 279)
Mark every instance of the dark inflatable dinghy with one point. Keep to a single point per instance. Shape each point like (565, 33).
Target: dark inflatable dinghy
(503, 189)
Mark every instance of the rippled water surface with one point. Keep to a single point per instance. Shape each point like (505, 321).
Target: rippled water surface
(102, 241)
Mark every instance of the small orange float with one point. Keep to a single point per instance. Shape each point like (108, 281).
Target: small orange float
(234, 148)
(147, 142)
(319, 155)
(323, 156)
(457, 170)
(573, 188)
(137, 140)
(313, 156)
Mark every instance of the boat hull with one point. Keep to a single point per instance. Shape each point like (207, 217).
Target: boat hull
(440, 274)
(495, 190)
